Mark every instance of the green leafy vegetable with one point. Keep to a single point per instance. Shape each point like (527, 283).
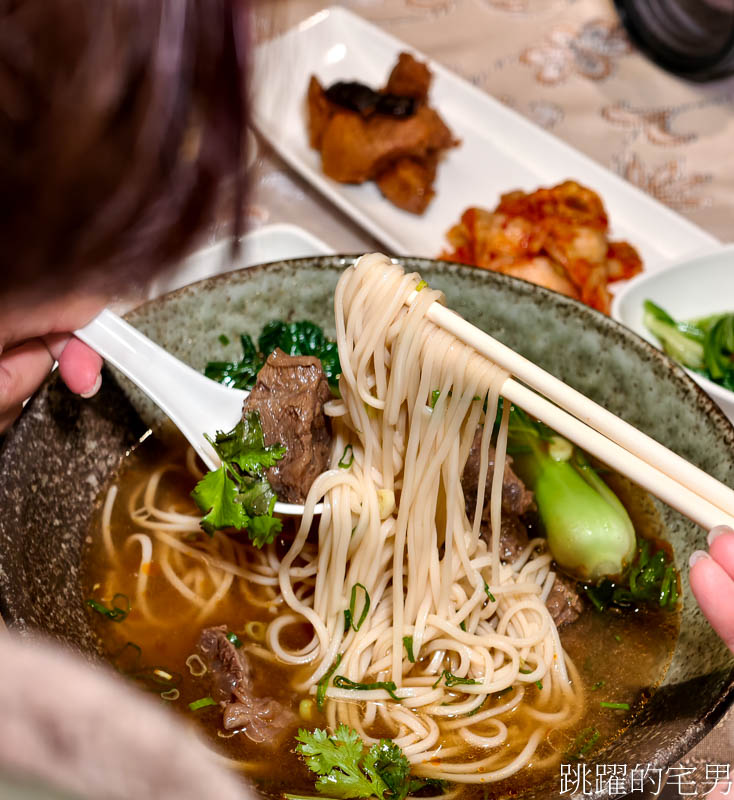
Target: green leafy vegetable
(238, 495)
(651, 579)
(589, 532)
(202, 702)
(452, 680)
(346, 769)
(705, 345)
(295, 338)
(350, 614)
(347, 683)
(117, 611)
(235, 639)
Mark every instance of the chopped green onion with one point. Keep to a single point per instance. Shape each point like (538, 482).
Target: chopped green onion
(586, 739)
(347, 683)
(255, 630)
(343, 463)
(350, 613)
(435, 394)
(598, 685)
(323, 684)
(462, 625)
(617, 637)
(116, 612)
(155, 677)
(235, 639)
(408, 643)
(524, 671)
(306, 709)
(223, 339)
(488, 593)
(452, 680)
(479, 707)
(202, 702)
(171, 695)
(127, 657)
(421, 285)
(539, 684)
(615, 706)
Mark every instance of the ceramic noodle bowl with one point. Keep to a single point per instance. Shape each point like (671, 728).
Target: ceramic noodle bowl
(64, 451)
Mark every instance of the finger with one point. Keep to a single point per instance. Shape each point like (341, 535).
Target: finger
(8, 417)
(80, 367)
(714, 591)
(22, 369)
(721, 548)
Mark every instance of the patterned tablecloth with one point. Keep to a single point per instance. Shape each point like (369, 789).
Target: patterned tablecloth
(569, 67)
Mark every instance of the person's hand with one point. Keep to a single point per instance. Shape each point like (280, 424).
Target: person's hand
(712, 581)
(32, 336)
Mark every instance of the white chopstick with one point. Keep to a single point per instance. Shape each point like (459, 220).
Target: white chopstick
(672, 479)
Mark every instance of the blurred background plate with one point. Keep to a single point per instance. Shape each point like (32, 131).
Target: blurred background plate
(687, 290)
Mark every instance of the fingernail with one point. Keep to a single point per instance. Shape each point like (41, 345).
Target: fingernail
(94, 389)
(719, 530)
(696, 556)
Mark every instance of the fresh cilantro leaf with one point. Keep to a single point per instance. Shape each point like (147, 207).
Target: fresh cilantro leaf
(245, 445)
(336, 760)
(389, 762)
(257, 496)
(238, 495)
(345, 770)
(216, 495)
(262, 530)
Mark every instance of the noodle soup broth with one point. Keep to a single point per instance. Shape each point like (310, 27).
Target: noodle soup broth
(189, 581)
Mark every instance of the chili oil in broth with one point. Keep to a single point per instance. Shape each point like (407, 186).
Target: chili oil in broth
(621, 656)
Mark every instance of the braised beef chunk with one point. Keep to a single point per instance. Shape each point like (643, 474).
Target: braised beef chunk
(290, 394)
(564, 602)
(516, 498)
(513, 537)
(261, 719)
(227, 667)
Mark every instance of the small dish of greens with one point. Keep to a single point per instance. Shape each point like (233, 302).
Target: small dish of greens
(687, 310)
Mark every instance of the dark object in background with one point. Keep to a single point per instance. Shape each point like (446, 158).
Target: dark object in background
(692, 38)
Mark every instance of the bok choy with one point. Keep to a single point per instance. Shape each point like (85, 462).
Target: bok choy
(590, 534)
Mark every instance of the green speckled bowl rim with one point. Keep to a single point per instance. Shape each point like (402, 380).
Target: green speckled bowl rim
(28, 605)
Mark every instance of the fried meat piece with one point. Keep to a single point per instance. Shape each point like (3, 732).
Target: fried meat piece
(409, 78)
(400, 152)
(408, 183)
(354, 149)
(320, 112)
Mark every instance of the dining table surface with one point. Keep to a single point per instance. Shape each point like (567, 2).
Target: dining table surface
(569, 67)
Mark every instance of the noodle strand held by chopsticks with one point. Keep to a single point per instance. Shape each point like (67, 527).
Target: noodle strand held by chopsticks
(445, 644)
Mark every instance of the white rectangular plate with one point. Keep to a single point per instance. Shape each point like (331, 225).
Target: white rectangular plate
(500, 149)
